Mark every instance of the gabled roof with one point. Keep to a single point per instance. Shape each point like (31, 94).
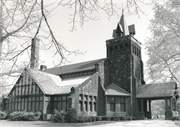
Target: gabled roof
(89, 65)
(113, 89)
(67, 84)
(47, 82)
(159, 90)
(53, 84)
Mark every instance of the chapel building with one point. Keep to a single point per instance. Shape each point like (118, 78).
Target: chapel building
(112, 86)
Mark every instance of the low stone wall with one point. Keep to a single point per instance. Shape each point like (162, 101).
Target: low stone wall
(168, 115)
(141, 115)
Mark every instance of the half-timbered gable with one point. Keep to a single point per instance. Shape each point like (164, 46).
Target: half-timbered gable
(26, 95)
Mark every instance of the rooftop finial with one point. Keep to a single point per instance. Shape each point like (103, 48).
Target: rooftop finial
(122, 9)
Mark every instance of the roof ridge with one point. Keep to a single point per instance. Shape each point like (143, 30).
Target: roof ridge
(90, 76)
(160, 83)
(77, 63)
(28, 70)
(45, 73)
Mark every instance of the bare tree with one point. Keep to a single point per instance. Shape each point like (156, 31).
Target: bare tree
(164, 46)
(22, 20)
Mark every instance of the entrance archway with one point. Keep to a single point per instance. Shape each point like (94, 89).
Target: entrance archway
(145, 108)
(162, 91)
(157, 109)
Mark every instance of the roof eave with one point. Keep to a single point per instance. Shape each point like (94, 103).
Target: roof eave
(117, 95)
(157, 97)
(77, 71)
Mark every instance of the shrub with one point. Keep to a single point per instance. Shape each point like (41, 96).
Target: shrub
(115, 118)
(106, 118)
(24, 116)
(134, 118)
(89, 119)
(103, 117)
(94, 118)
(3, 115)
(175, 118)
(83, 114)
(122, 118)
(13, 116)
(59, 116)
(98, 118)
(71, 115)
(82, 119)
(116, 114)
(128, 118)
(36, 116)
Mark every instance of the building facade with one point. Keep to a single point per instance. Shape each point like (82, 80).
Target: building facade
(112, 86)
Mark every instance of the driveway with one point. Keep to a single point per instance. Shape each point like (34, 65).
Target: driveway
(137, 123)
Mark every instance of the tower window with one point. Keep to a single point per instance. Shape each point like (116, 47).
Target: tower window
(133, 49)
(111, 50)
(139, 52)
(116, 49)
(136, 51)
(126, 47)
(120, 48)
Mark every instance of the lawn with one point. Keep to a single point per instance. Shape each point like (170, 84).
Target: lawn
(177, 122)
(133, 123)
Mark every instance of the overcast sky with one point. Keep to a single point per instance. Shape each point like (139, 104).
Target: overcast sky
(91, 38)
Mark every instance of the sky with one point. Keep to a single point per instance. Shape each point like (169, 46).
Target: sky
(91, 38)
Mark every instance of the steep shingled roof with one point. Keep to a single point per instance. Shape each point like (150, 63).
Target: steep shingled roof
(88, 65)
(113, 89)
(158, 90)
(53, 84)
(47, 82)
(67, 84)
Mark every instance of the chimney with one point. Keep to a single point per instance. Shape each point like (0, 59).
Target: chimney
(43, 67)
(34, 62)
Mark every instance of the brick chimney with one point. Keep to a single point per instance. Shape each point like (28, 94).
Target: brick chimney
(43, 67)
(34, 62)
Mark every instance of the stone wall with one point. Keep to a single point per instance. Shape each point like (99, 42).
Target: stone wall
(137, 79)
(117, 111)
(87, 93)
(118, 71)
(168, 115)
(101, 89)
(124, 67)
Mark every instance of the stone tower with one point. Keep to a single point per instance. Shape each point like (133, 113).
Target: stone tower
(123, 65)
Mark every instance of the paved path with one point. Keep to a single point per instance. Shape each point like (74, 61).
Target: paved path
(137, 123)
